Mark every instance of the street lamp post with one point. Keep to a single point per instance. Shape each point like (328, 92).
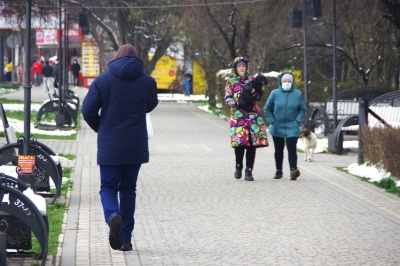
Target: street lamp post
(59, 55)
(27, 84)
(299, 19)
(305, 61)
(28, 178)
(65, 79)
(334, 78)
(311, 8)
(60, 119)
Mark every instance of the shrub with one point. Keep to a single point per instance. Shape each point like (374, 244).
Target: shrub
(381, 147)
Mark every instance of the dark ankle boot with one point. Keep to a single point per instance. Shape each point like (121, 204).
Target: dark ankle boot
(248, 176)
(238, 171)
(294, 174)
(278, 174)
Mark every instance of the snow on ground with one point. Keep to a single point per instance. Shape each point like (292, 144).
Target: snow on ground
(19, 125)
(373, 173)
(180, 97)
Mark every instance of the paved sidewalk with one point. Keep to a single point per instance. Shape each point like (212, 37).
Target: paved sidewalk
(191, 211)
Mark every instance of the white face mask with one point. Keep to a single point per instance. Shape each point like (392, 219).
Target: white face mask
(286, 86)
(241, 73)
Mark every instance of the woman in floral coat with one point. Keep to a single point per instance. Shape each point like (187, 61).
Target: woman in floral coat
(247, 127)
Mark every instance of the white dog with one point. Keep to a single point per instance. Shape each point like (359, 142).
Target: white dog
(310, 143)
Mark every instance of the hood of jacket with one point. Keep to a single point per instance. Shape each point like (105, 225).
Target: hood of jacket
(126, 67)
(237, 60)
(280, 80)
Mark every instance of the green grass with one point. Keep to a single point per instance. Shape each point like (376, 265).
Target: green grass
(19, 115)
(67, 172)
(197, 101)
(56, 211)
(43, 136)
(8, 85)
(68, 156)
(4, 100)
(218, 111)
(388, 184)
(55, 216)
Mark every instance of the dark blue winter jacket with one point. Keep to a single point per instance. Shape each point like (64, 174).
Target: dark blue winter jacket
(285, 110)
(115, 107)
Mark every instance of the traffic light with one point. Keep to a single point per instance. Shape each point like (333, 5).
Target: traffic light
(313, 8)
(85, 30)
(296, 19)
(83, 23)
(83, 20)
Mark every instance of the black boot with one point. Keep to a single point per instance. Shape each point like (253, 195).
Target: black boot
(294, 174)
(248, 176)
(278, 174)
(238, 171)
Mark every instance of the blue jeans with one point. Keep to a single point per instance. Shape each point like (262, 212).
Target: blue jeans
(37, 79)
(118, 194)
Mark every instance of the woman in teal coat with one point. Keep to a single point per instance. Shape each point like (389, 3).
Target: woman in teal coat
(284, 111)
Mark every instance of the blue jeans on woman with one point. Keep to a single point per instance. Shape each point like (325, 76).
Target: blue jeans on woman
(37, 79)
(118, 195)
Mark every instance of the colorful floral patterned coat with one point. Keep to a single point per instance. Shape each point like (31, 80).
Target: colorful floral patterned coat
(246, 127)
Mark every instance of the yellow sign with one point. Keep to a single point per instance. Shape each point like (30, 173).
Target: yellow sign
(164, 72)
(199, 79)
(90, 60)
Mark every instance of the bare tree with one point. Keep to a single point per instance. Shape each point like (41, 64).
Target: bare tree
(135, 22)
(392, 13)
(219, 33)
(368, 35)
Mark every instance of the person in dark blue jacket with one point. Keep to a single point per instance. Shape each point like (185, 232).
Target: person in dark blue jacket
(115, 107)
(284, 111)
(47, 72)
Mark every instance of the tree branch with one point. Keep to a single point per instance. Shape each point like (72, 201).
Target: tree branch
(224, 35)
(358, 69)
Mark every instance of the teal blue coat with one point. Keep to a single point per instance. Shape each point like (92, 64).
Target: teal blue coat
(285, 110)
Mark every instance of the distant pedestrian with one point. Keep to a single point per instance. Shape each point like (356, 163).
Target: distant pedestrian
(284, 111)
(186, 85)
(76, 68)
(47, 72)
(115, 107)
(37, 71)
(248, 131)
(57, 79)
(8, 69)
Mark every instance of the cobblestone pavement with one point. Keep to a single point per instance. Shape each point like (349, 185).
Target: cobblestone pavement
(191, 211)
